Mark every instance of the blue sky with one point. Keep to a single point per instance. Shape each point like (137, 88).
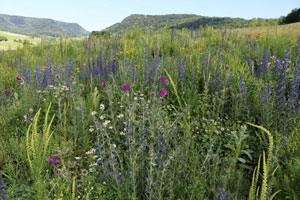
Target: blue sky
(99, 14)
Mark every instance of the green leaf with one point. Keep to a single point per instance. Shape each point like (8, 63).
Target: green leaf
(242, 160)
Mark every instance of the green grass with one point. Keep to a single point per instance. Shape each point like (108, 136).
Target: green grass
(12, 45)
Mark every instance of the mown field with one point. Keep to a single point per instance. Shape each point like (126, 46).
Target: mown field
(15, 41)
(202, 114)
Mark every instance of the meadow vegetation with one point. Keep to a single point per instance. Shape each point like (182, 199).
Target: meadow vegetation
(172, 114)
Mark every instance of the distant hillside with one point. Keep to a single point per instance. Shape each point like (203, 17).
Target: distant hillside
(40, 27)
(15, 41)
(156, 22)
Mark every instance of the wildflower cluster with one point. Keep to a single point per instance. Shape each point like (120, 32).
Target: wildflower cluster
(2, 189)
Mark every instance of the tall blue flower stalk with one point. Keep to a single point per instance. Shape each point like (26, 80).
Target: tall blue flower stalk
(265, 94)
(266, 61)
(243, 87)
(277, 66)
(294, 90)
(181, 72)
(2, 189)
(68, 72)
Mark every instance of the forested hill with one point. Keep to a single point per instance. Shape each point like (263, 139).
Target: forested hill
(40, 27)
(155, 22)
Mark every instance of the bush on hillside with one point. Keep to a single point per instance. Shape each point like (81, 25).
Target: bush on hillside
(2, 38)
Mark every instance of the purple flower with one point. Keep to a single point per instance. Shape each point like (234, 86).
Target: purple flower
(30, 110)
(163, 79)
(18, 78)
(52, 159)
(103, 84)
(227, 66)
(25, 118)
(7, 91)
(163, 92)
(126, 86)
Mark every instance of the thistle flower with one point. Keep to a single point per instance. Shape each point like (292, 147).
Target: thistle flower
(163, 79)
(126, 86)
(52, 160)
(7, 91)
(103, 84)
(163, 92)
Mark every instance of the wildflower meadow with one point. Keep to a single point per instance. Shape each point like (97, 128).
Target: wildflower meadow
(173, 114)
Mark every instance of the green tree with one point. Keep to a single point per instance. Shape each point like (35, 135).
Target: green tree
(2, 38)
(292, 17)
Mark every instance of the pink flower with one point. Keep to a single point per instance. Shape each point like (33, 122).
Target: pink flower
(7, 91)
(126, 86)
(30, 110)
(163, 79)
(31, 119)
(163, 92)
(103, 84)
(25, 118)
(227, 66)
(52, 160)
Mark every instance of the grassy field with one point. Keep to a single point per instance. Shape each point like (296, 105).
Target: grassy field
(13, 40)
(173, 114)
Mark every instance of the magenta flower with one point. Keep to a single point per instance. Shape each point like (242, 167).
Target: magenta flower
(103, 84)
(163, 79)
(30, 110)
(227, 66)
(163, 92)
(126, 86)
(7, 91)
(52, 160)
(31, 119)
